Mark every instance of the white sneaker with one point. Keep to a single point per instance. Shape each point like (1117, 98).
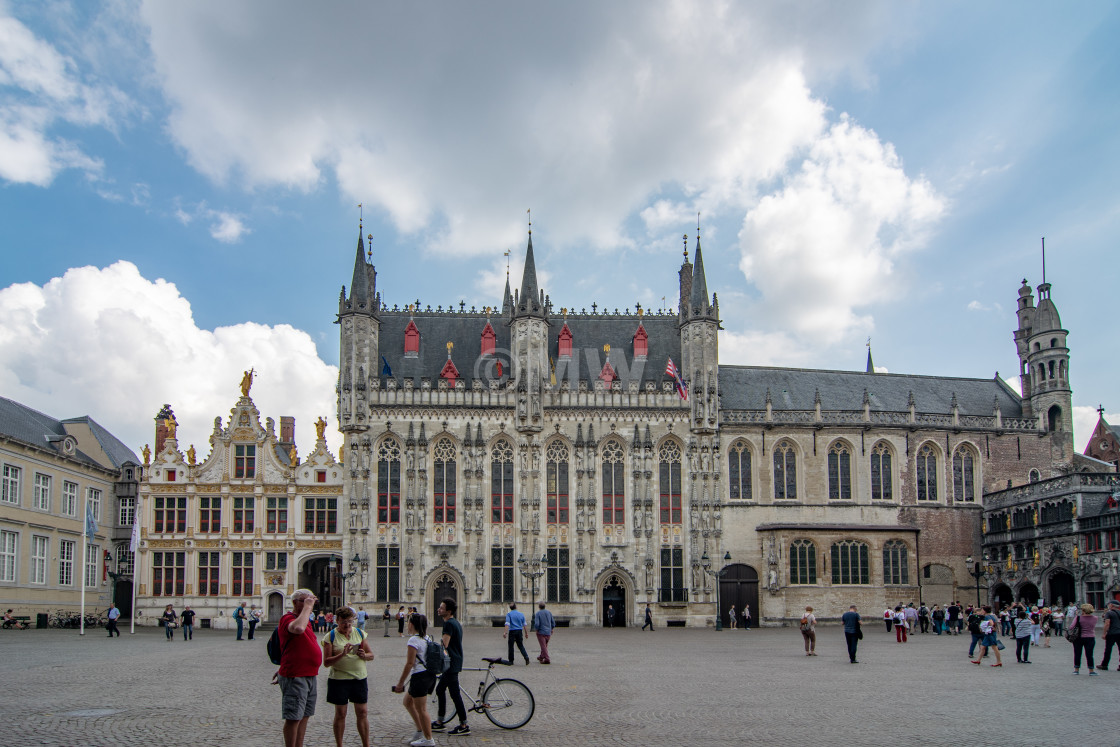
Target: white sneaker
(416, 736)
(423, 742)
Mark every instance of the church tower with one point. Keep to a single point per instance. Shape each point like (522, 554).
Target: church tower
(358, 315)
(1044, 366)
(699, 344)
(529, 346)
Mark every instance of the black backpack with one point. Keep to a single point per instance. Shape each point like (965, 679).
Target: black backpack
(436, 659)
(275, 652)
(974, 624)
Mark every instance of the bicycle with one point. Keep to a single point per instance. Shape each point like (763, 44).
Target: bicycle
(507, 702)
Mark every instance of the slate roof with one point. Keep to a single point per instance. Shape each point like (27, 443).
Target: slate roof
(744, 388)
(113, 447)
(22, 423)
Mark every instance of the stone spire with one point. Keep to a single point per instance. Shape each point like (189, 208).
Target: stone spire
(529, 301)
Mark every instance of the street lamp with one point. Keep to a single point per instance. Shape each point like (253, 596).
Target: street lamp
(977, 573)
(355, 562)
(706, 566)
(532, 569)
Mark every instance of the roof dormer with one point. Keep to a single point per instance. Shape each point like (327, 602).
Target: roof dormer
(411, 340)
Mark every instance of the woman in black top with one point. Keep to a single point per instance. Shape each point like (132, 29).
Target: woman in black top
(169, 618)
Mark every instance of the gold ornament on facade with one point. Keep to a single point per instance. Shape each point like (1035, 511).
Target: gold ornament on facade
(171, 426)
(247, 382)
(147, 452)
(293, 459)
(191, 455)
(320, 428)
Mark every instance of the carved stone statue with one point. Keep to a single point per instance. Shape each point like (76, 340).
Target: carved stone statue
(246, 382)
(581, 520)
(410, 519)
(773, 578)
(479, 577)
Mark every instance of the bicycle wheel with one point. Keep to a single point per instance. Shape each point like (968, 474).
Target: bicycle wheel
(508, 703)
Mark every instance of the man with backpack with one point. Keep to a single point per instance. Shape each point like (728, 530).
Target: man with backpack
(300, 659)
(974, 619)
(239, 616)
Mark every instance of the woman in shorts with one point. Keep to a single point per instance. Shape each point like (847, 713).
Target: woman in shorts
(422, 683)
(346, 651)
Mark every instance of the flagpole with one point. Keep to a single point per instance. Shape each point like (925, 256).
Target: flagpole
(82, 565)
(134, 545)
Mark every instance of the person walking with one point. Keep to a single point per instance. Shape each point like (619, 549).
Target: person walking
(649, 619)
(1047, 625)
(515, 633)
(1111, 634)
(449, 680)
(809, 631)
(746, 617)
(188, 623)
(911, 617)
(1059, 615)
(168, 619)
(421, 682)
(974, 620)
(1086, 623)
(852, 632)
(954, 617)
(888, 618)
(544, 624)
(111, 626)
(300, 660)
(401, 615)
(938, 616)
(239, 616)
(901, 624)
(923, 617)
(1022, 638)
(360, 620)
(345, 652)
(387, 619)
(989, 639)
(254, 620)
(610, 615)
(731, 617)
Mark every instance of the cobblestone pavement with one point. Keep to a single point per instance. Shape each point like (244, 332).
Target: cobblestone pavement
(605, 687)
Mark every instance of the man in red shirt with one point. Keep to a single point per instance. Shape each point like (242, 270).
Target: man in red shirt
(300, 659)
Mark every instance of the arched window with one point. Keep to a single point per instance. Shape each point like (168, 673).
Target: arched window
(896, 566)
(1034, 475)
(839, 472)
(557, 482)
(125, 558)
(444, 481)
(963, 476)
(669, 463)
(882, 482)
(802, 562)
(739, 471)
(785, 471)
(1054, 419)
(614, 483)
(501, 482)
(389, 482)
(850, 563)
(926, 466)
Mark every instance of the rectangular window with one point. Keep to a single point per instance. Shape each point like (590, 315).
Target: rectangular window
(209, 514)
(94, 497)
(1092, 542)
(614, 492)
(69, 498)
(388, 574)
(389, 491)
(93, 554)
(672, 575)
(501, 574)
(276, 561)
(320, 515)
(66, 563)
(1094, 590)
(41, 492)
(244, 461)
(850, 563)
(127, 512)
(242, 574)
(277, 515)
(208, 570)
(557, 488)
(167, 573)
(125, 560)
(9, 541)
(320, 475)
(670, 482)
(243, 514)
(443, 498)
(169, 514)
(558, 577)
(40, 547)
(9, 485)
(1114, 540)
(501, 493)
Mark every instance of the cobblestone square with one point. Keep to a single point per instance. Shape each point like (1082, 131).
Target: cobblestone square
(605, 687)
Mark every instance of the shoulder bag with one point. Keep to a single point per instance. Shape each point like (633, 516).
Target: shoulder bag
(1074, 631)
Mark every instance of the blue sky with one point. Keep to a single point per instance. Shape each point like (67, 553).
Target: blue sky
(179, 183)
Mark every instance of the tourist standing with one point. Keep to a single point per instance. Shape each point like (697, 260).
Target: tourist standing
(254, 620)
(649, 619)
(1086, 623)
(111, 626)
(610, 617)
(923, 617)
(809, 631)
(449, 681)
(168, 620)
(515, 633)
(1022, 638)
(731, 617)
(938, 616)
(544, 624)
(360, 621)
(1047, 625)
(1059, 615)
(387, 619)
(239, 616)
(852, 632)
(1036, 626)
(989, 639)
(1111, 634)
(901, 624)
(346, 651)
(953, 611)
(401, 615)
(299, 667)
(746, 617)
(911, 617)
(421, 682)
(188, 623)
(888, 618)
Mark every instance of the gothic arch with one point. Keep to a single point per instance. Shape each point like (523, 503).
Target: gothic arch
(612, 582)
(616, 439)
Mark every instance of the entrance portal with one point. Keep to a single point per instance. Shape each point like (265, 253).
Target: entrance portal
(320, 576)
(1061, 588)
(1028, 594)
(1002, 596)
(275, 606)
(614, 598)
(444, 589)
(738, 585)
(122, 597)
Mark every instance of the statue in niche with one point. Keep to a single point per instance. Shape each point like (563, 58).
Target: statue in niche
(581, 520)
(524, 512)
(478, 521)
(773, 579)
(536, 518)
(536, 459)
(479, 577)
(410, 520)
(637, 514)
(649, 574)
(408, 579)
(409, 456)
(581, 574)
(696, 576)
(648, 521)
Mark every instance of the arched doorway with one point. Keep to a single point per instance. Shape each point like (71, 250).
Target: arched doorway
(1002, 596)
(614, 598)
(738, 585)
(321, 577)
(1061, 588)
(1028, 594)
(444, 588)
(275, 607)
(122, 596)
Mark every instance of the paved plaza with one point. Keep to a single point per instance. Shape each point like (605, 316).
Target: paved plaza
(605, 687)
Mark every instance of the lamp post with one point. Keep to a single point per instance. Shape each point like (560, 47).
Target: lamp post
(532, 569)
(706, 566)
(355, 562)
(977, 573)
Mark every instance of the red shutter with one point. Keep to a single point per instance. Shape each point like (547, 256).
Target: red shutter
(488, 340)
(411, 338)
(641, 342)
(565, 347)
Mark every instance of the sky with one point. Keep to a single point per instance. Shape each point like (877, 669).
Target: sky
(180, 183)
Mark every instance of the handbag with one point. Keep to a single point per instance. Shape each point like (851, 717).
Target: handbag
(859, 632)
(1074, 631)
(999, 645)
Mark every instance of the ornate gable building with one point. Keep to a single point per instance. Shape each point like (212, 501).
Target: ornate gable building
(535, 453)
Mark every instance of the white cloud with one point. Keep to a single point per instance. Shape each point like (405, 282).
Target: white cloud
(227, 228)
(978, 306)
(112, 340)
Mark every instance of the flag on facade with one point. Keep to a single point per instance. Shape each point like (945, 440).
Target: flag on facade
(672, 372)
(91, 524)
(134, 544)
(385, 370)
(552, 368)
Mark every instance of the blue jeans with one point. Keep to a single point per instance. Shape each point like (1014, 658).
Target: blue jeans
(240, 627)
(937, 626)
(975, 639)
(188, 631)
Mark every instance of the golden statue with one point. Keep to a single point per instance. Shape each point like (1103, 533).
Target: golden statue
(147, 452)
(246, 382)
(170, 425)
(190, 455)
(1036, 517)
(292, 458)
(320, 427)
(1036, 557)
(1075, 553)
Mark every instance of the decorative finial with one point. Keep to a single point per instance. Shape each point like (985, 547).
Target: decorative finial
(1100, 410)
(507, 263)
(369, 245)
(359, 219)
(641, 311)
(607, 350)
(1044, 260)
(868, 342)
(450, 345)
(564, 311)
(529, 212)
(487, 313)
(685, 239)
(698, 224)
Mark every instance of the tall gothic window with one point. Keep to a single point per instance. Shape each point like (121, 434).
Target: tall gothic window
(444, 481)
(614, 483)
(389, 482)
(839, 472)
(802, 562)
(739, 472)
(785, 471)
(672, 575)
(557, 582)
(557, 483)
(926, 466)
(896, 566)
(850, 563)
(388, 574)
(501, 574)
(881, 483)
(963, 476)
(669, 461)
(501, 484)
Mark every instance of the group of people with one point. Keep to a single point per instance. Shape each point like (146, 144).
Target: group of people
(243, 616)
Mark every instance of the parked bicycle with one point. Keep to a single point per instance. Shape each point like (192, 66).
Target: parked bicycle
(507, 702)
